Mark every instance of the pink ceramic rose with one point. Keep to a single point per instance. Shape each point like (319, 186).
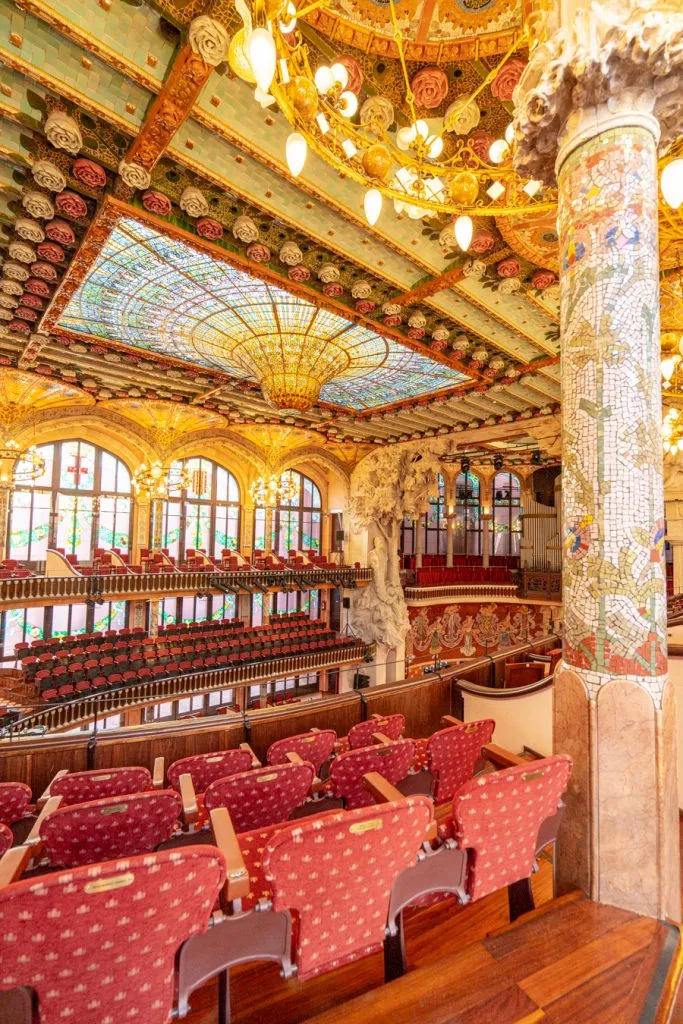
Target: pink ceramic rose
(209, 228)
(509, 267)
(480, 143)
(156, 202)
(32, 300)
(37, 287)
(25, 313)
(416, 333)
(430, 87)
(19, 327)
(438, 344)
(299, 273)
(542, 279)
(88, 172)
(354, 70)
(482, 242)
(60, 231)
(44, 369)
(258, 252)
(71, 205)
(44, 270)
(504, 83)
(364, 306)
(393, 320)
(51, 252)
(333, 290)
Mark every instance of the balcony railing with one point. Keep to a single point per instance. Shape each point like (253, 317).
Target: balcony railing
(15, 593)
(74, 713)
(459, 590)
(540, 584)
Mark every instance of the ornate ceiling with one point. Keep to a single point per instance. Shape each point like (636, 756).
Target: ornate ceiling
(135, 293)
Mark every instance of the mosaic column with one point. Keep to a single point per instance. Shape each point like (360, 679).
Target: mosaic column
(587, 116)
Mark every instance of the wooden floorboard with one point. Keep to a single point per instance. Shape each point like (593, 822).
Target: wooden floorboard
(571, 960)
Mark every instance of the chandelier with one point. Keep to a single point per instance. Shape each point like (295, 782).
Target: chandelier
(417, 162)
(156, 481)
(672, 432)
(272, 490)
(671, 364)
(29, 464)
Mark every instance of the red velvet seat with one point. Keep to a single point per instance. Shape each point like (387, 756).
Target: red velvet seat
(15, 798)
(6, 838)
(109, 828)
(346, 774)
(80, 787)
(315, 746)
(262, 796)
(104, 938)
(360, 735)
(452, 755)
(204, 769)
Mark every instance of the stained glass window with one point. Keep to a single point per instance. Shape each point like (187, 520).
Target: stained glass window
(207, 515)
(433, 523)
(467, 539)
(79, 503)
(506, 525)
(154, 292)
(297, 524)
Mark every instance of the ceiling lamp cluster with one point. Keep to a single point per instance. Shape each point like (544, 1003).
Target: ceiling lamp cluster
(271, 490)
(156, 481)
(28, 464)
(672, 432)
(417, 164)
(672, 364)
(671, 183)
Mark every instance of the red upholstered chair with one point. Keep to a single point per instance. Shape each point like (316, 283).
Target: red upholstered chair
(204, 769)
(103, 939)
(6, 838)
(360, 735)
(15, 798)
(392, 761)
(79, 787)
(263, 796)
(99, 830)
(452, 755)
(315, 746)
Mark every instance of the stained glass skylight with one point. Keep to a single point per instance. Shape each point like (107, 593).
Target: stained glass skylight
(153, 292)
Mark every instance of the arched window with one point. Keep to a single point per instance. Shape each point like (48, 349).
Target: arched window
(80, 502)
(433, 523)
(506, 525)
(206, 515)
(297, 524)
(467, 540)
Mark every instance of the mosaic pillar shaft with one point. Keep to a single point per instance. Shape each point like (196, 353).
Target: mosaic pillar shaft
(613, 709)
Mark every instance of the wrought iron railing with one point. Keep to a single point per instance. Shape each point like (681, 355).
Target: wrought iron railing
(54, 589)
(73, 713)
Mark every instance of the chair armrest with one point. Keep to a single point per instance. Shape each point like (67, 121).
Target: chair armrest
(43, 799)
(381, 739)
(189, 799)
(158, 775)
(237, 882)
(384, 792)
(502, 758)
(314, 729)
(294, 758)
(450, 720)
(13, 863)
(255, 763)
(33, 841)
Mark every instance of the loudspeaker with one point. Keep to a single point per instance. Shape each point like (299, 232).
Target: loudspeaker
(346, 602)
(339, 535)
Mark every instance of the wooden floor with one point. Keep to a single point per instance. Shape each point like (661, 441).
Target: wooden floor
(571, 960)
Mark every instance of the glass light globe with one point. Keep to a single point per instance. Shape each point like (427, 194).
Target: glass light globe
(672, 183)
(288, 26)
(373, 205)
(510, 134)
(435, 144)
(262, 57)
(295, 151)
(498, 151)
(422, 128)
(404, 137)
(340, 74)
(324, 79)
(348, 103)
(464, 229)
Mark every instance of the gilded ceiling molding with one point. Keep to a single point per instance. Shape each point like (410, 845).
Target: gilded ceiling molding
(171, 107)
(430, 287)
(32, 349)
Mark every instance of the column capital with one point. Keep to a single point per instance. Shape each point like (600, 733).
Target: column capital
(611, 64)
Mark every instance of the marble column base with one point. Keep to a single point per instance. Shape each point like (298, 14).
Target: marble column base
(620, 838)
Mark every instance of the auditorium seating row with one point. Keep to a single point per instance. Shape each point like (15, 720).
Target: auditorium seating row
(148, 863)
(11, 569)
(443, 577)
